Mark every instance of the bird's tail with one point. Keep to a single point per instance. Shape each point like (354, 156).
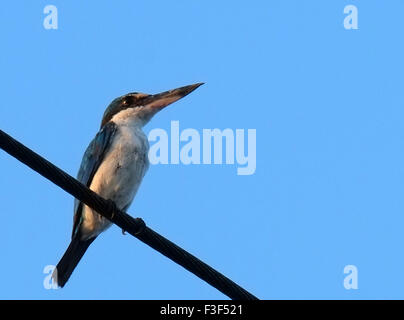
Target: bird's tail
(70, 259)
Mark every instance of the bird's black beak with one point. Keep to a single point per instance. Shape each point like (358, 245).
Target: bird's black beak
(161, 100)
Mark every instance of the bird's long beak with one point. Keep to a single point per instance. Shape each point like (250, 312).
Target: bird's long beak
(161, 100)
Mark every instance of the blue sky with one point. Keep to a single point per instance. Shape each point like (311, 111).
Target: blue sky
(326, 103)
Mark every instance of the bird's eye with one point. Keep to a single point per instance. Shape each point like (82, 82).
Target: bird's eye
(126, 101)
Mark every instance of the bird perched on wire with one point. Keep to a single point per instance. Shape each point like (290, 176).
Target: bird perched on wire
(113, 166)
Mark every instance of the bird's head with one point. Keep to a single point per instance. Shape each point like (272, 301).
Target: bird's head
(141, 107)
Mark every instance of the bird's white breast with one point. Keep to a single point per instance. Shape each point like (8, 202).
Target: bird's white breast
(119, 175)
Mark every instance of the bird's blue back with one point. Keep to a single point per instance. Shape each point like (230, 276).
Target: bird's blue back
(90, 163)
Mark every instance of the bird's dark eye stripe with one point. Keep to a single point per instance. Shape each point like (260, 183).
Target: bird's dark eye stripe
(128, 100)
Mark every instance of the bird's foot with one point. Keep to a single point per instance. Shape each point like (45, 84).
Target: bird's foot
(124, 232)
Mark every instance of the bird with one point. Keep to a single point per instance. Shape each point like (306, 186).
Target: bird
(113, 166)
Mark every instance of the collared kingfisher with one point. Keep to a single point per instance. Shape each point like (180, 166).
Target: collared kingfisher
(113, 166)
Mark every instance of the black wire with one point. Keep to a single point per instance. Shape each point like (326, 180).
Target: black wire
(134, 226)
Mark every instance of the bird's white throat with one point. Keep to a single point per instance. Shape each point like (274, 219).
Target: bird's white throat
(134, 117)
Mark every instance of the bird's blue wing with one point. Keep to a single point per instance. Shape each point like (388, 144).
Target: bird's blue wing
(92, 159)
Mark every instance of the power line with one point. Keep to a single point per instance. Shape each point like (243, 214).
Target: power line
(134, 226)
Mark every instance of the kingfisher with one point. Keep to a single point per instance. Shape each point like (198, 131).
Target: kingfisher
(113, 166)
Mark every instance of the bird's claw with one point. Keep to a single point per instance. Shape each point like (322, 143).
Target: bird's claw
(124, 232)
